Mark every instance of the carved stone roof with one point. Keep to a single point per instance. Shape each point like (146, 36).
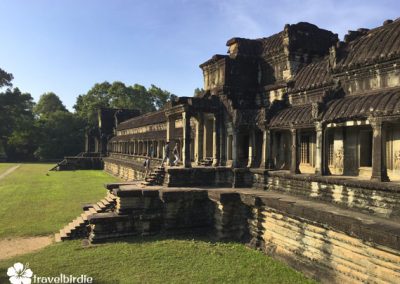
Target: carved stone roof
(314, 75)
(143, 120)
(376, 45)
(377, 103)
(297, 115)
(272, 44)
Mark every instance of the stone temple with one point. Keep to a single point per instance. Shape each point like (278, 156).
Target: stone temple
(293, 148)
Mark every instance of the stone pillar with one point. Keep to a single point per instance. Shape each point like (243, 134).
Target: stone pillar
(170, 136)
(379, 171)
(186, 140)
(235, 161)
(199, 138)
(266, 161)
(252, 148)
(319, 168)
(216, 137)
(222, 141)
(294, 166)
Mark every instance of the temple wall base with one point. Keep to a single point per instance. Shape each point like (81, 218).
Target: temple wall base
(325, 242)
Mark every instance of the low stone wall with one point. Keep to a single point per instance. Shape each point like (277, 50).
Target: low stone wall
(81, 163)
(379, 199)
(128, 169)
(326, 242)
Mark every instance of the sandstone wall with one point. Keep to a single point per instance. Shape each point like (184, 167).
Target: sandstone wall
(326, 242)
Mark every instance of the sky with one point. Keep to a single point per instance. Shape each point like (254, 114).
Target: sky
(66, 46)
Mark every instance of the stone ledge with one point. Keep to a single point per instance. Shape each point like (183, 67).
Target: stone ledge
(106, 217)
(358, 183)
(366, 227)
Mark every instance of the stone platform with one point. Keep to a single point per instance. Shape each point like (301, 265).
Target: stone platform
(327, 242)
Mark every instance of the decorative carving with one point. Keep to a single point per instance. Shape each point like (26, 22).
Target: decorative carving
(339, 157)
(397, 160)
(315, 110)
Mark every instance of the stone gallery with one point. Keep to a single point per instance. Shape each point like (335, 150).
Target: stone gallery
(293, 148)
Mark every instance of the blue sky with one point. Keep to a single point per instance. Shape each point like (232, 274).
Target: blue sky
(68, 46)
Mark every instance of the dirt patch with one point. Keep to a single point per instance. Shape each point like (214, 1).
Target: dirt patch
(16, 246)
(9, 171)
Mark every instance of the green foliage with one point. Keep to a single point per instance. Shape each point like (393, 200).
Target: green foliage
(198, 92)
(48, 130)
(152, 260)
(61, 133)
(17, 129)
(48, 104)
(33, 203)
(5, 79)
(118, 95)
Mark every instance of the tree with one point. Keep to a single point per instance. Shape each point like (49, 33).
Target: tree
(17, 128)
(5, 78)
(47, 104)
(87, 105)
(198, 92)
(118, 95)
(61, 133)
(160, 97)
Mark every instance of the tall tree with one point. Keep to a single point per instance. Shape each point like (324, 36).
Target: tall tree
(118, 95)
(87, 105)
(47, 104)
(17, 127)
(5, 78)
(60, 134)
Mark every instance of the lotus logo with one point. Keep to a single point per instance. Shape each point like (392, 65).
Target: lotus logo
(20, 274)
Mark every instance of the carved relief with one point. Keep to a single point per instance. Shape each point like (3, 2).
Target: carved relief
(397, 160)
(339, 157)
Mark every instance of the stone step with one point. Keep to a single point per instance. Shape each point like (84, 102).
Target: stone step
(69, 231)
(92, 210)
(108, 199)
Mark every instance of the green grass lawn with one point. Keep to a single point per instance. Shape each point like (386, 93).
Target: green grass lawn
(5, 166)
(33, 203)
(158, 261)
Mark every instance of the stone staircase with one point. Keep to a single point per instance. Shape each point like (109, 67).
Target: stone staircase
(156, 177)
(77, 228)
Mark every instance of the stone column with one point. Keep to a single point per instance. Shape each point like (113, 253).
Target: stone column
(319, 168)
(379, 171)
(266, 161)
(222, 142)
(199, 138)
(294, 166)
(235, 157)
(252, 148)
(170, 136)
(216, 137)
(186, 140)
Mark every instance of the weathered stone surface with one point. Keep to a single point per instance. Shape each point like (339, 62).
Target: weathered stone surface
(329, 243)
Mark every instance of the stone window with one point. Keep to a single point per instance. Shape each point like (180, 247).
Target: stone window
(305, 152)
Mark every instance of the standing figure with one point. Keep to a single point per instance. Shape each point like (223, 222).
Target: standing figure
(166, 154)
(176, 154)
(146, 165)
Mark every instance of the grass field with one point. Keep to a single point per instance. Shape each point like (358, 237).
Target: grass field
(159, 261)
(33, 203)
(5, 166)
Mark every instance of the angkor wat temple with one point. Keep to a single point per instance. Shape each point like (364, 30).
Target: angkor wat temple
(293, 148)
(299, 101)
